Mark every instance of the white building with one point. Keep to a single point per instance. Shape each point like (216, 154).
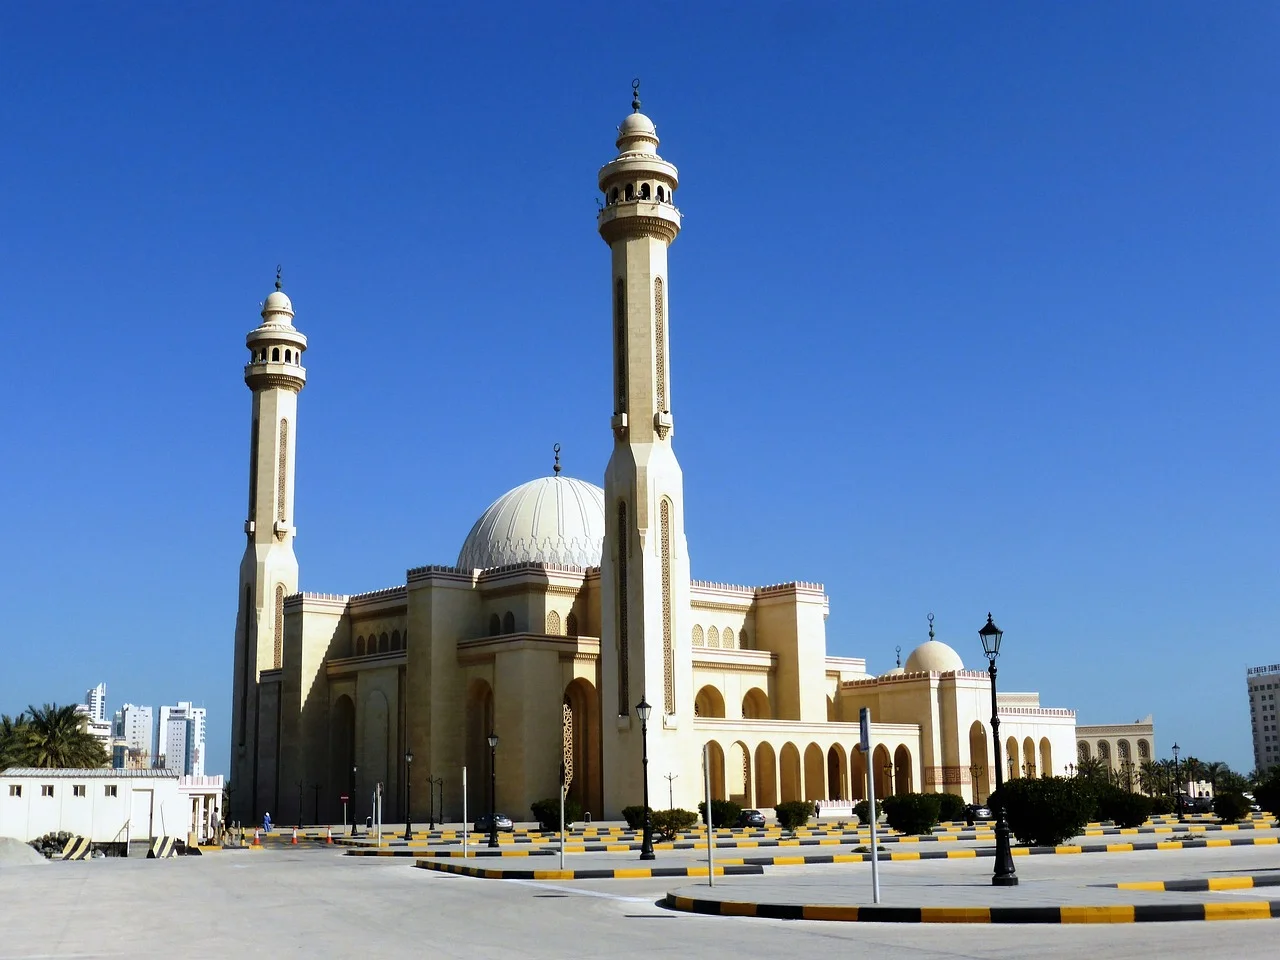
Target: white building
(181, 739)
(1264, 684)
(134, 736)
(108, 806)
(100, 729)
(96, 701)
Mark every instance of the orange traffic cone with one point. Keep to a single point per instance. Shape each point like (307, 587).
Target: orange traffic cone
(257, 840)
(328, 834)
(295, 836)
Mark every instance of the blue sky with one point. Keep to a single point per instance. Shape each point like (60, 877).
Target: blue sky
(974, 308)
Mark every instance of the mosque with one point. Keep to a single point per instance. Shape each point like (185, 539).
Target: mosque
(567, 606)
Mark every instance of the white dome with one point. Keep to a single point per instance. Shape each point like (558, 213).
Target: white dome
(548, 520)
(933, 656)
(277, 308)
(895, 672)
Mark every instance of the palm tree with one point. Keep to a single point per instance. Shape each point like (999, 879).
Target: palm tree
(1150, 778)
(1214, 771)
(1091, 768)
(1192, 770)
(57, 736)
(12, 741)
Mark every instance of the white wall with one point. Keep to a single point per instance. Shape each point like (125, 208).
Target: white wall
(95, 815)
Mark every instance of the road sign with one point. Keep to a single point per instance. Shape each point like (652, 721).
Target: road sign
(864, 728)
(344, 798)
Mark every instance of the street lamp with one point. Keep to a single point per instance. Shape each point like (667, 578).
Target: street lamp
(1004, 875)
(888, 779)
(408, 779)
(1177, 785)
(1071, 769)
(352, 794)
(976, 770)
(646, 844)
(493, 789)
(432, 783)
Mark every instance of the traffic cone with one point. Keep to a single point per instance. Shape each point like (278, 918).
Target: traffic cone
(328, 834)
(257, 840)
(295, 836)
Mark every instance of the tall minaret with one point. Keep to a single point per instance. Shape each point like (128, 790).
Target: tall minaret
(269, 569)
(645, 565)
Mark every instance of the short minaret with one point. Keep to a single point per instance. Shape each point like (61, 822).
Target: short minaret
(269, 569)
(645, 633)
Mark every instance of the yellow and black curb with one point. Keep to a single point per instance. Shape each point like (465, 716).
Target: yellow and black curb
(162, 848)
(626, 873)
(1125, 913)
(1199, 886)
(77, 848)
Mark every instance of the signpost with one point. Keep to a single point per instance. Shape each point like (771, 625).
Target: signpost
(464, 813)
(864, 729)
(344, 799)
(711, 867)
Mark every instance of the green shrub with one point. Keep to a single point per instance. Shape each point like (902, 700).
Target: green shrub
(1230, 807)
(1161, 805)
(547, 812)
(668, 823)
(912, 813)
(1044, 812)
(1267, 793)
(724, 813)
(862, 810)
(634, 815)
(793, 814)
(951, 807)
(1121, 807)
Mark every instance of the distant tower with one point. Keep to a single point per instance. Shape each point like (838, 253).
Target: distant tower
(269, 569)
(645, 564)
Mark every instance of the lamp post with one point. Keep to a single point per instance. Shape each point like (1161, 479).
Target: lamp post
(976, 770)
(888, 779)
(671, 779)
(352, 794)
(1071, 769)
(1004, 875)
(493, 790)
(432, 783)
(1177, 784)
(408, 780)
(646, 844)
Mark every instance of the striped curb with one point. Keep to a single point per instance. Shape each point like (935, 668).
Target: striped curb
(1199, 886)
(1129, 913)
(77, 848)
(629, 873)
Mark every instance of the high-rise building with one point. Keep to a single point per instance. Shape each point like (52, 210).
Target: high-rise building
(180, 744)
(1264, 684)
(133, 736)
(96, 700)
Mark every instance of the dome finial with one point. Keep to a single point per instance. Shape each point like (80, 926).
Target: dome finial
(931, 626)
(635, 95)
(898, 651)
(279, 271)
(556, 466)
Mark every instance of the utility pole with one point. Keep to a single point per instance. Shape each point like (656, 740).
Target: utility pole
(671, 777)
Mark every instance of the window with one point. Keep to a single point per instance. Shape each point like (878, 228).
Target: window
(109, 790)
(77, 789)
(15, 789)
(46, 789)
(275, 354)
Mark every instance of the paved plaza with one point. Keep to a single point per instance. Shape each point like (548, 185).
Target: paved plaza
(314, 901)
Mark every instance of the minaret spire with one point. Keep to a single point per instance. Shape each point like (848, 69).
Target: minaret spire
(556, 466)
(635, 95)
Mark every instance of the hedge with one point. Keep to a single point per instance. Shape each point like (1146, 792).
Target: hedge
(951, 806)
(724, 813)
(1121, 807)
(862, 810)
(547, 812)
(634, 815)
(668, 823)
(1230, 807)
(1046, 811)
(795, 813)
(912, 813)
(1267, 793)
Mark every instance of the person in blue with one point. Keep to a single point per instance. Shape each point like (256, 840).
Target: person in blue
(266, 822)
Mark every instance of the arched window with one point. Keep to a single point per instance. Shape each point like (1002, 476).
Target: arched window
(508, 622)
(630, 192)
(359, 646)
(1144, 750)
(571, 624)
(742, 640)
(553, 624)
(262, 354)
(275, 354)
(395, 640)
(698, 639)
(713, 637)
(288, 356)
(406, 639)
(726, 638)
(644, 191)
(661, 195)
(384, 643)
(613, 195)
(495, 625)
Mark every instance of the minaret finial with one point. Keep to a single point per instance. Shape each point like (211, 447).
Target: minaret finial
(635, 95)
(898, 650)
(279, 272)
(931, 626)
(556, 466)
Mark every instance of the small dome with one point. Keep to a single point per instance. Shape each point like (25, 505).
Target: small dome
(548, 520)
(277, 308)
(637, 134)
(933, 656)
(895, 672)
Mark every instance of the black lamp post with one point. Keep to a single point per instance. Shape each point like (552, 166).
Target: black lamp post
(408, 780)
(1004, 875)
(1177, 784)
(642, 711)
(888, 779)
(493, 790)
(351, 793)
(432, 783)
(976, 770)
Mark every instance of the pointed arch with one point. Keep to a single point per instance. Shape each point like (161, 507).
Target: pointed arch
(789, 772)
(726, 638)
(342, 742)
(857, 774)
(979, 762)
(395, 641)
(698, 639)
(755, 705)
(709, 702)
(582, 701)
(738, 775)
(882, 771)
(384, 642)
(495, 625)
(837, 773)
(1046, 757)
(508, 622)
(902, 772)
(815, 784)
(1029, 756)
(1083, 751)
(479, 724)
(713, 637)
(715, 754)
(1011, 758)
(359, 646)
(553, 623)
(571, 624)
(766, 776)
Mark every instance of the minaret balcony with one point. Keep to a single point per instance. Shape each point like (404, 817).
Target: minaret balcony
(264, 374)
(638, 218)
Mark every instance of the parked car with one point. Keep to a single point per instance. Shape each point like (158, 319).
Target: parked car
(503, 821)
(973, 812)
(750, 818)
(1199, 805)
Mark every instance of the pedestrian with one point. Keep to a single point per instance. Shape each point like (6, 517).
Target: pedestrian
(266, 822)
